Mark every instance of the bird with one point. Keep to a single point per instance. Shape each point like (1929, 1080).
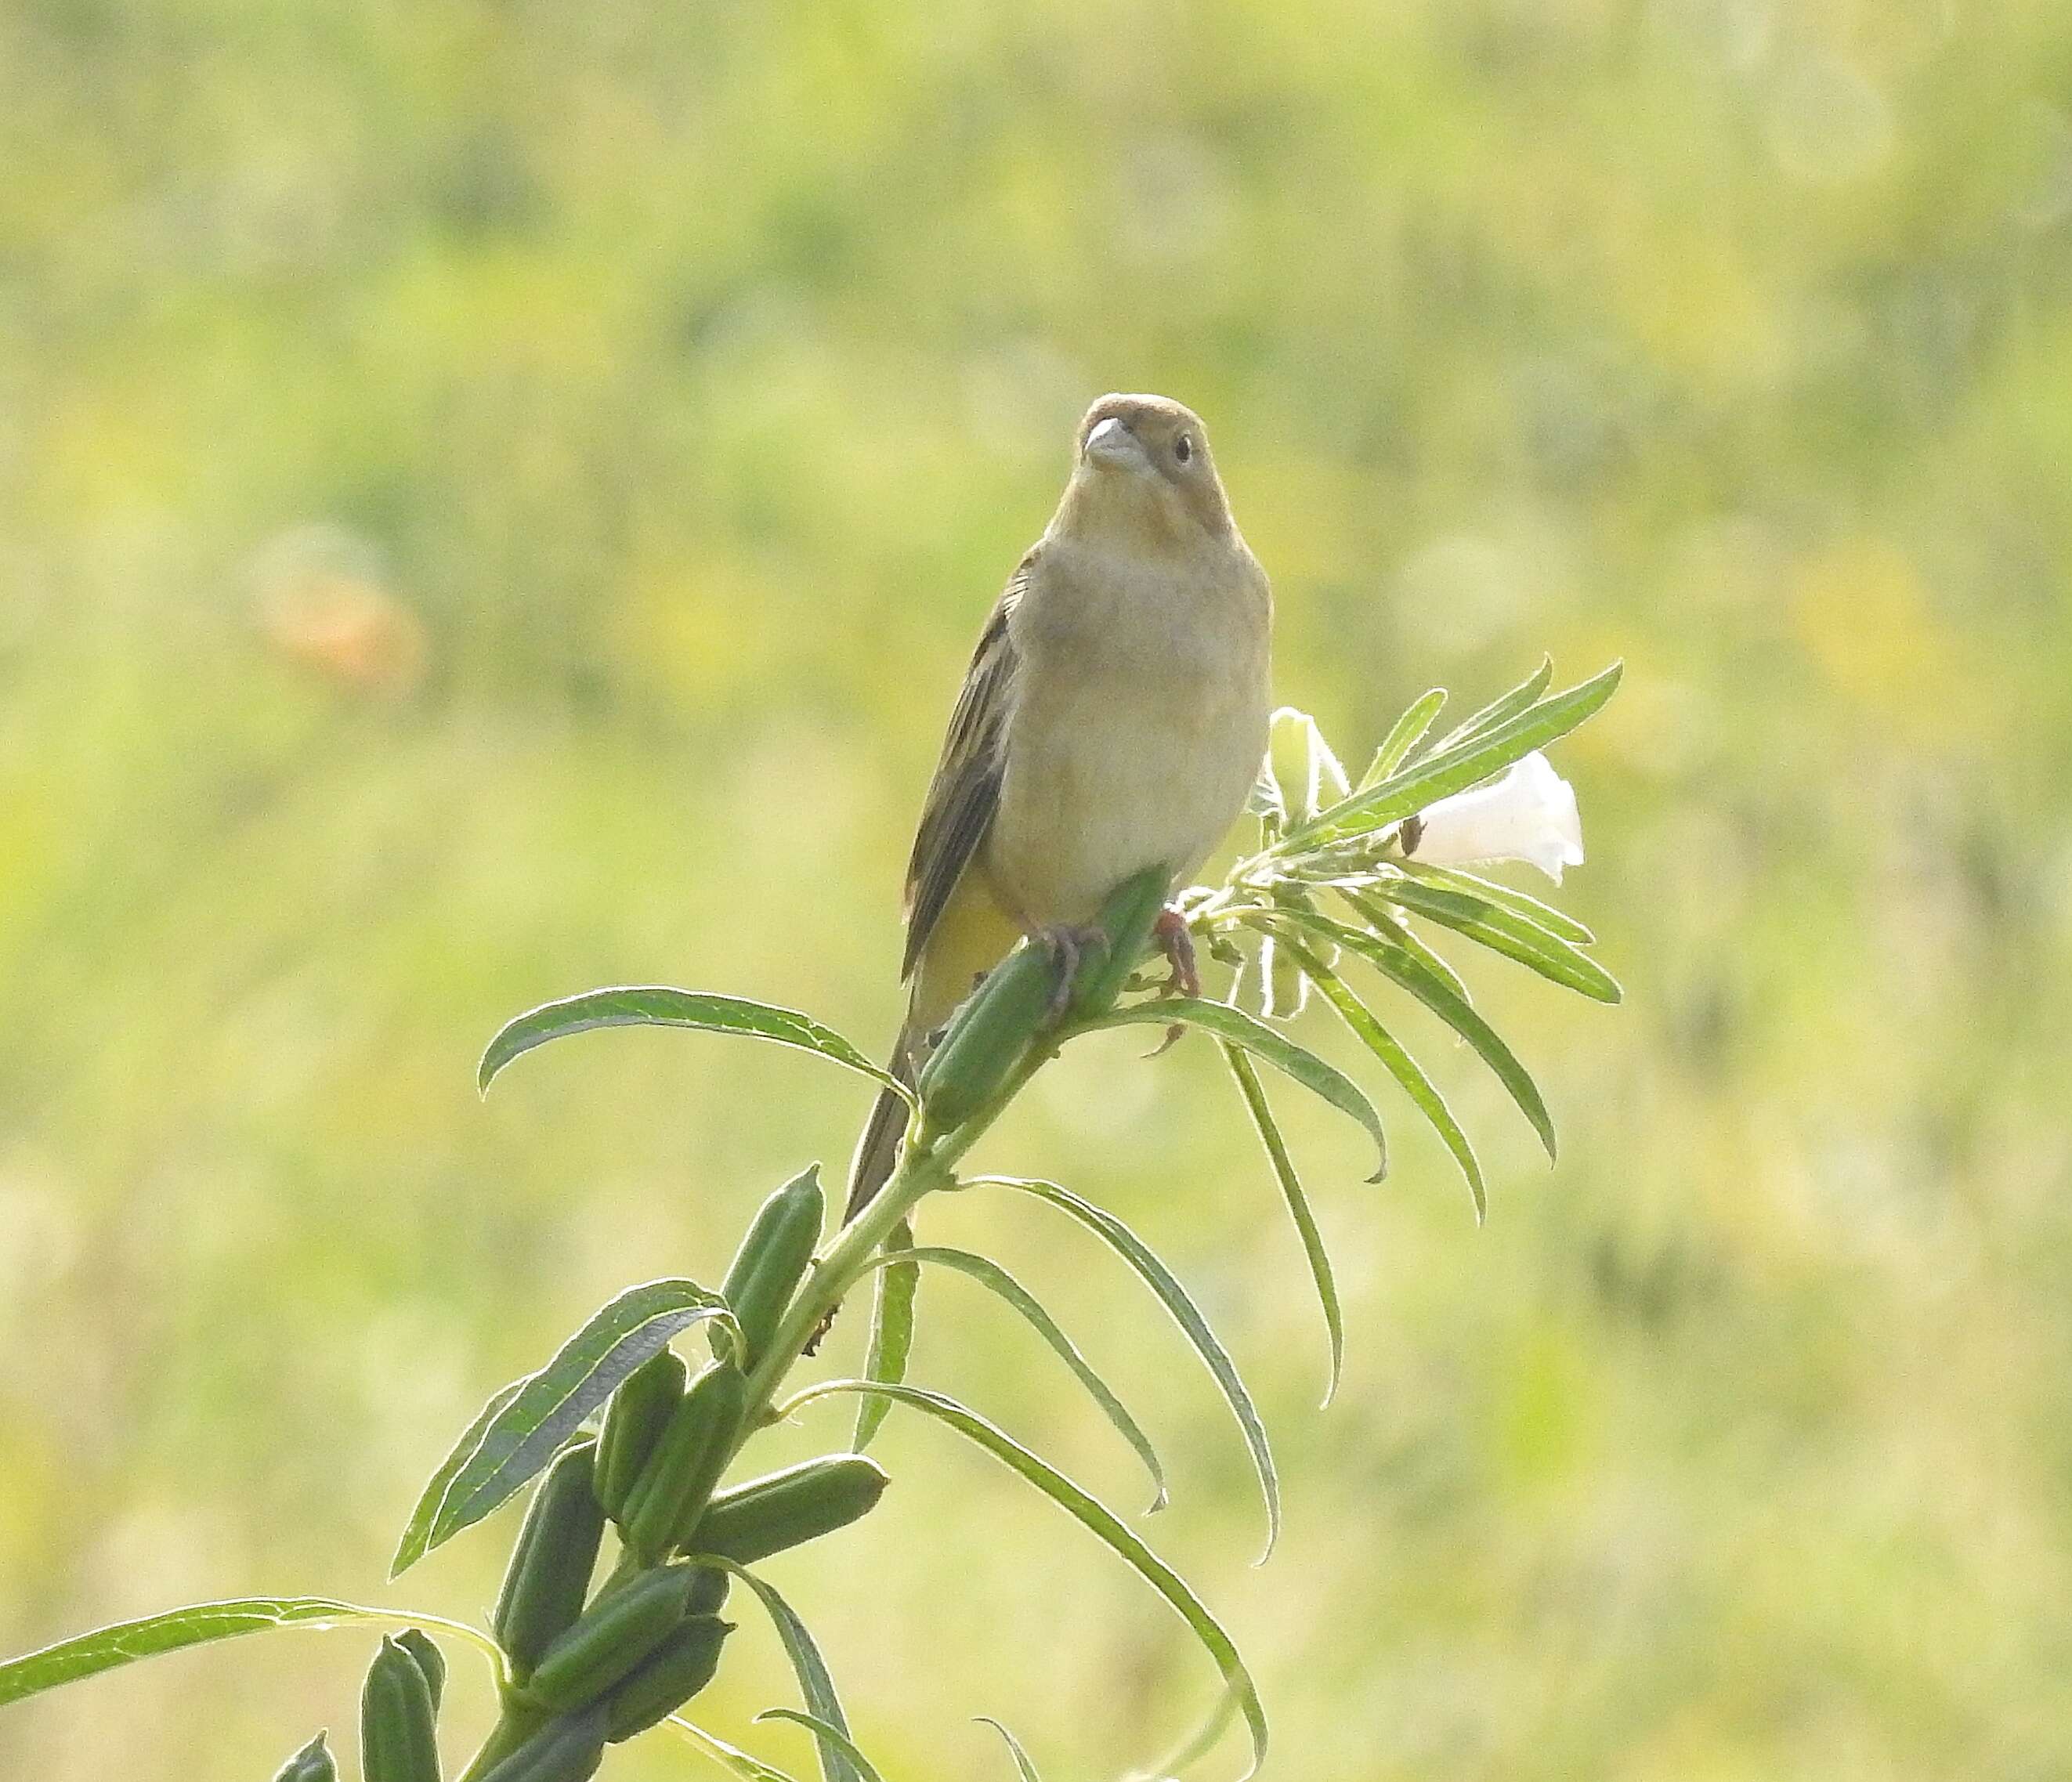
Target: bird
(1112, 721)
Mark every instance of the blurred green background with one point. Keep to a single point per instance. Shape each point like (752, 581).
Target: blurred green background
(494, 499)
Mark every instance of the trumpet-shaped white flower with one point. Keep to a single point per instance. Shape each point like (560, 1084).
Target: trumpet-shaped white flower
(1529, 815)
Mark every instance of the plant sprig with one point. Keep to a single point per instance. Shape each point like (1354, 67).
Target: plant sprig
(1335, 877)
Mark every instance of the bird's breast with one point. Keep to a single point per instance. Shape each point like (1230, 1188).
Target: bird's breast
(1139, 722)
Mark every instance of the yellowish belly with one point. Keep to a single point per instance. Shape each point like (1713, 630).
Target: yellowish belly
(1111, 777)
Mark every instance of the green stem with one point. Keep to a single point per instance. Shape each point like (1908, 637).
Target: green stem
(926, 1164)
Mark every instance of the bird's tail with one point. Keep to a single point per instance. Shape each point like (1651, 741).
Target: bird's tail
(877, 1151)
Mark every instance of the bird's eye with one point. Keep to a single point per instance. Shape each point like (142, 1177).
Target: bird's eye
(1183, 449)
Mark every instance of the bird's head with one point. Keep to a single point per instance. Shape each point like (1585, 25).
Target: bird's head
(1143, 467)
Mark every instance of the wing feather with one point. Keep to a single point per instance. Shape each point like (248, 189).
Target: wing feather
(965, 791)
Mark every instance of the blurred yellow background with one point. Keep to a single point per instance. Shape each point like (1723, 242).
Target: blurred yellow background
(494, 499)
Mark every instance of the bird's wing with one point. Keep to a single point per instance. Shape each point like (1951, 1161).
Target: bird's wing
(965, 791)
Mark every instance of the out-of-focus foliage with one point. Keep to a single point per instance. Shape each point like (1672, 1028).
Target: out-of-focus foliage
(495, 499)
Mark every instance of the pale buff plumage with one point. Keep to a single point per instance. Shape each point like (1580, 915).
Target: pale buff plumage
(1112, 718)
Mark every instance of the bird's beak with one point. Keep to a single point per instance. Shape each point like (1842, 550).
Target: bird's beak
(1113, 443)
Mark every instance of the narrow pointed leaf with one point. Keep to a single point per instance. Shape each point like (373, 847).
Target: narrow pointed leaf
(1378, 917)
(1407, 732)
(1025, 1766)
(198, 1624)
(989, 1273)
(1236, 1028)
(1254, 1092)
(416, 1532)
(1399, 1064)
(891, 1329)
(1181, 1308)
(730, 1758)
(815, 1683)
(1439, 996)
(1454, 769)
(1504, 930)
(1100, 1521)
(1522, 903)
(526, 1431)
(827, 1734)
(1504, 708)
(656, 1005)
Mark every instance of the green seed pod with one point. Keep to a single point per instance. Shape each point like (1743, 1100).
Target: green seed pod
(398, 1735)
(312, 1763)
(550, 1567)
(708, 1593)
(614, 1634)
(673, 1673)
(988, 1037)
(1126, 918)
(430, 1661)
(640, 1412)
(687, 1461)
(772, 1260)
(569, 1749)
(787, 1509)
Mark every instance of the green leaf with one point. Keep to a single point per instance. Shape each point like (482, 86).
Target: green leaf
(1407, 733)
(1457, 767)
(199, 1625)
(1025, 1766)
(1105, 1525)
(1505, 931)
(735, 1761)
(891, 1329)
(1378, 917)
(1504, 708)
(656, 1005)
(1399, 1064)
(815, 1684)
(1180, 1306)
(1236, 1028)
(524, 1428)
(1472, 885)
(1440, 996)
(1254, 1092)
(827, 1734)
(989, 1273)
(416, 1543)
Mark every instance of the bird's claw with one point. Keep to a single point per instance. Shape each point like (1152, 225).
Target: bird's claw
(1176, 942)
(1066, 946)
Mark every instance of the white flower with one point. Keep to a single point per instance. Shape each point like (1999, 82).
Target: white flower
(1529, 815)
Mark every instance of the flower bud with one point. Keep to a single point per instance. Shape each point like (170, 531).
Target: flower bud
(1306, 774)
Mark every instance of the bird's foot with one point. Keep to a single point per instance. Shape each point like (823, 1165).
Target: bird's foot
(1171, 937)
(1067, 946)
(1176, 942)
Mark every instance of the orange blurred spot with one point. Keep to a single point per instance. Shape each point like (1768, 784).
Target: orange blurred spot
(336, 616)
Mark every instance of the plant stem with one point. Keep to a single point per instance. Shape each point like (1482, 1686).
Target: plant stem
(926, 1164)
